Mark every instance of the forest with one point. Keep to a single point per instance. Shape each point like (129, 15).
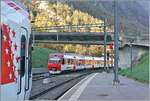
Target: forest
(47, 14)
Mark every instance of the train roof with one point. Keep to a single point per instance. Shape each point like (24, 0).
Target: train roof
(14, 12)
(69, 56)
(98, 58)
(19, 3)
(76, 56)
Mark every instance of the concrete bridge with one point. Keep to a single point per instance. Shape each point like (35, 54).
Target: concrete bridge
(73, 42)
(94, 38)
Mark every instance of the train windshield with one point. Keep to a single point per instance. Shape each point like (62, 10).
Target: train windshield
(54, 60)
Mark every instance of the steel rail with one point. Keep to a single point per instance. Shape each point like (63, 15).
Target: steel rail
(56, 86)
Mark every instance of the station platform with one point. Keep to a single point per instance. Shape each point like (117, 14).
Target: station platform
(39, 70)
(99, 86)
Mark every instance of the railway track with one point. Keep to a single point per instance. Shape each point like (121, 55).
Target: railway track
(59, 85)
(43, 75)
(39, 76)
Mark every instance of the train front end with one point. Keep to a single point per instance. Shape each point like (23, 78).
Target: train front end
(15, 54)
(54, 63)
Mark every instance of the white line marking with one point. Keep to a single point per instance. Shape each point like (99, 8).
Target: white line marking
(79, 91)
(61, 98)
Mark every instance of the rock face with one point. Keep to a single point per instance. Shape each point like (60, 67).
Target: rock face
(124, 56)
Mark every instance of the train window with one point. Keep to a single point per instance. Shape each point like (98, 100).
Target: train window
(54, 60)
(30, 56)
(66, 61)
(63, 61)
(23, 54)
(70, 61)
(109, 38)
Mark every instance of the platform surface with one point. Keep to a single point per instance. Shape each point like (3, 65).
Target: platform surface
(99, 86)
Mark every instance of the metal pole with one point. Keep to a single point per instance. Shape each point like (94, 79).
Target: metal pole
(116, 54)
(131, 41)
(33, 37)
(131, 57)
(57, 36)
(105, 44)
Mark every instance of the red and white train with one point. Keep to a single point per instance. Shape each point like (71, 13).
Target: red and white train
(15, 54)
(59, 62)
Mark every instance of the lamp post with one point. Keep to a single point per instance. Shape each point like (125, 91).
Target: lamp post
(116, 53)
(105, 37)
(131, 41)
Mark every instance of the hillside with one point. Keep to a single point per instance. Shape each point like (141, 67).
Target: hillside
(140, 71)
(92, 50)
(57, 14)
(133, 13)
(40, 57)
(41, 52)
(133, 17)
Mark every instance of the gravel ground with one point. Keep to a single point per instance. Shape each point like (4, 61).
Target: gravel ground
(39, 86)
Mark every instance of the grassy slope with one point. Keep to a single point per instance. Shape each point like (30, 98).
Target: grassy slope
(40, 57)
(140, 71)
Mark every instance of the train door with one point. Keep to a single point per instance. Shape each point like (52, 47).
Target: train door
(23, 68)
(28, 70)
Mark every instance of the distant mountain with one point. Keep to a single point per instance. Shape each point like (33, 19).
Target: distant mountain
(134, 17)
